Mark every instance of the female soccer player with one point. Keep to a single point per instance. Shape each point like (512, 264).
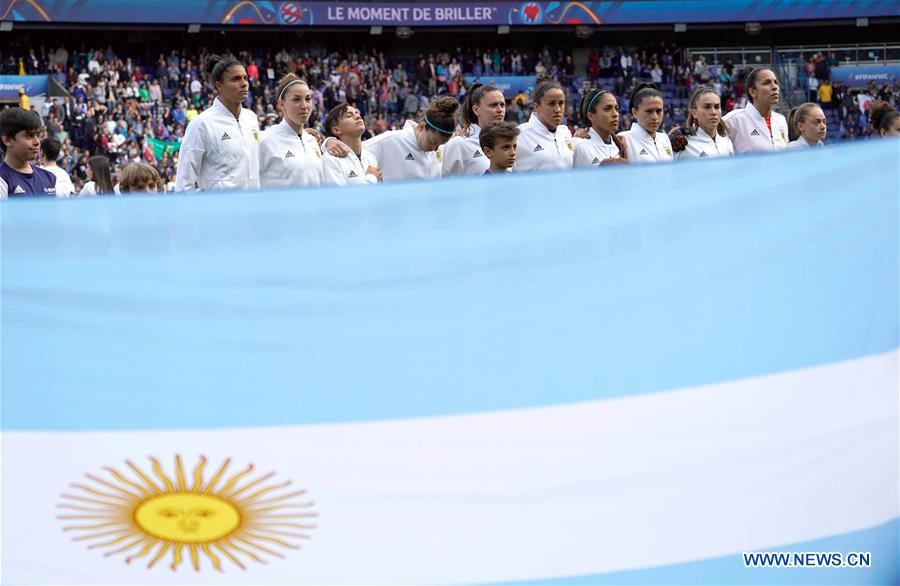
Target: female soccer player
(643, 143)
(807, 126)
(359, 166)
(758, 127)
(287, 155)
(220, 149)
(884, 119)
(703, 135)
(545, 143)
(99, 178)
(600, 112)
(410, 153)
(482, 105)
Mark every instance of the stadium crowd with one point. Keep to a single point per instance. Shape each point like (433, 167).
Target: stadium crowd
(131, 107)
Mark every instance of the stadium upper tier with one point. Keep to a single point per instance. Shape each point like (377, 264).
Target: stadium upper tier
(293, 13)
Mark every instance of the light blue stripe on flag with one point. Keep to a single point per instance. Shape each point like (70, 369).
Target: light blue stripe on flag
(460, 296)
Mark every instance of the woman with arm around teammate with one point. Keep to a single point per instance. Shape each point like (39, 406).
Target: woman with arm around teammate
(359, 166)
(703, 135)
(758, 127)
(600, 112)
(220, 149)
(642, 142)
(807, 126)
(287, 155)
(545, 143)
(410, 153)
(482, 105)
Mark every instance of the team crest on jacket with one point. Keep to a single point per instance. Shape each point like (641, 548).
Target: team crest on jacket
(668, 151)
(782, 134)
(212, 519)
(256, 134)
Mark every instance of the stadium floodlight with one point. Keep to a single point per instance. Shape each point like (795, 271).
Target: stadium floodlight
(862, 22)
(752, 28)
(193, 28)
(503, 29)
(583, 32)
(6, 26)
(680, 27)
(404, 32)
(375, 30)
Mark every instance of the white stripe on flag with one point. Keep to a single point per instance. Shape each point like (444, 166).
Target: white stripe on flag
(577, 489)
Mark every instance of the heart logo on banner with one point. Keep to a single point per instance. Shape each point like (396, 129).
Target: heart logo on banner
(532, 11)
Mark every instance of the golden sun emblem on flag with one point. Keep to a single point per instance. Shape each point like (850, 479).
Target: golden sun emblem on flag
(150, 517)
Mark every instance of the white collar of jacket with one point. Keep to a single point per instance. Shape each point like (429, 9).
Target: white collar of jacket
(638, 130)
(285, 128)
(702, 135)
(597, 138)
(220, 109)
(535, 122)
(474, 131)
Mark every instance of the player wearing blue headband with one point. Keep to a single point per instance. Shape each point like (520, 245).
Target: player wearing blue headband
(411, 153)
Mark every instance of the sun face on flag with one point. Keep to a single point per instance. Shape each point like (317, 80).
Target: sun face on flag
(153, 515)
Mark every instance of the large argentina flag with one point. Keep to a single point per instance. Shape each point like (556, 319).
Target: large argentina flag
(625, 375)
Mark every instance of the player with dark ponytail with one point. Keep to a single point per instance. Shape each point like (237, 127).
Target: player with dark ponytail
(220, 149)
(644, 143)
(758, 127)
(884, 119)
(410, 153)
(482, 105)
(545, 143)
(599, 112)
(288, 156)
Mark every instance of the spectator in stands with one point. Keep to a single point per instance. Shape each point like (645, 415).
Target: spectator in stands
(99, 179)
(24, 101)
(825, 94)
(50, 148)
